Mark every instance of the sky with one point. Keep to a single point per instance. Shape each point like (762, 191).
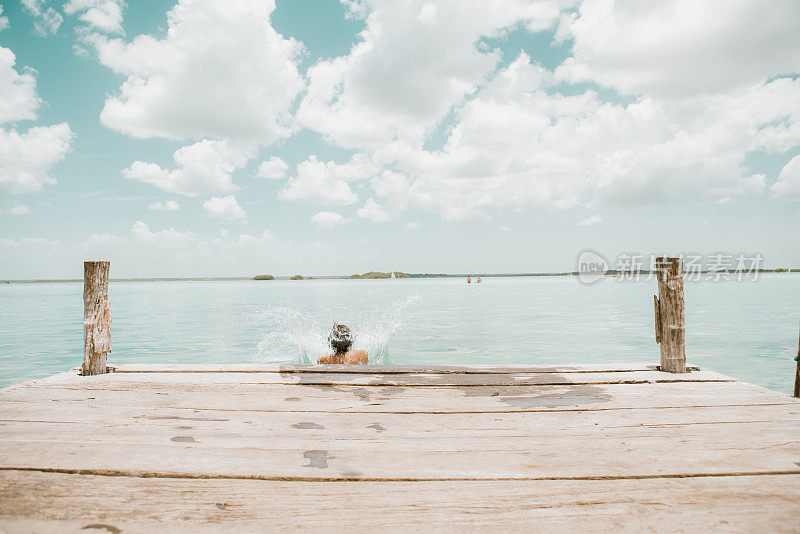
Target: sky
(208, 138)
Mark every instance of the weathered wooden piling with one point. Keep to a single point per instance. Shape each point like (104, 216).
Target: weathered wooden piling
(669, 314)
(797, 372)
(96, 317)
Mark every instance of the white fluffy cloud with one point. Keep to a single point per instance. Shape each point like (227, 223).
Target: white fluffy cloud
(19, 210)
(589, 221)
(682, 47)
(169, 205)
(788, 184)
(3, 20)
(221, 72)
(47, 20)
(26, 157)
(141, 252)
(204, 167)
(18, 98)
(392, 189)
(101, 15)
(372, 211)
(704, 90)
(415, 61)
(224, 208)
(170, 239)
(273, 169)
(328, 219)
(519, 145)
(326, 184)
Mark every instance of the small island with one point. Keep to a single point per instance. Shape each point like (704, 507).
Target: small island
(263, 277)
(373, 275)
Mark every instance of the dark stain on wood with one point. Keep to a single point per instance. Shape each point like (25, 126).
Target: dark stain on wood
(307, 425)
(360, 393)
(292, 399)
(102, 526)
(178, 418)
(376, 426)
(184, 439)
(316, 459)
(541, 396)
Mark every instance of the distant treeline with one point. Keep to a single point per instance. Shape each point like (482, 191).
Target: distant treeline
(375, 275)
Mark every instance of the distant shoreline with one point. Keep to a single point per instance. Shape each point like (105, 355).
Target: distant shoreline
(350, 277)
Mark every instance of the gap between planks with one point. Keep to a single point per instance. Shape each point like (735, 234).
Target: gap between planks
(289, 478)
(451, 412)
(381, 369)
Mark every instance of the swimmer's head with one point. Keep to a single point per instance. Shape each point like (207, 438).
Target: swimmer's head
(340, 339)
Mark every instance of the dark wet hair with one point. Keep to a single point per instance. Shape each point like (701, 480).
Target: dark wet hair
(340, 339)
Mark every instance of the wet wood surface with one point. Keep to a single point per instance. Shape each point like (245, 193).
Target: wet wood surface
(561, 447)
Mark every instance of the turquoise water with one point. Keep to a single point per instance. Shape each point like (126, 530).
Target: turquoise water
(746, 329)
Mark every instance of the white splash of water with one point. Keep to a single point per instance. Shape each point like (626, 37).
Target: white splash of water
(293, 334)
(375, 330)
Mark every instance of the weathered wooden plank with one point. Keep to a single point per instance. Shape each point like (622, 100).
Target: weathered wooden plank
(538, 449)
(113, 416)
(739, 502)
(61, 502)
(47, 422)
(797, 372)
(382, 369)
(703, 449)
(405, 380)
(413, 432)
(380, 399)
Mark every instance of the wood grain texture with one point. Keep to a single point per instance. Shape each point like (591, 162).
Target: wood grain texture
(248, 447)
(383, 369)
(427, 379)
(797, 372)
(672, 323)
(96, 317)
(90, 393)
(48, 502)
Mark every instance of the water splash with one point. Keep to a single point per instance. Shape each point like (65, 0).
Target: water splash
(303, 337)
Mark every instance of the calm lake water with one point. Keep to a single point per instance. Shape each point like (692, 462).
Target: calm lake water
(748, 329)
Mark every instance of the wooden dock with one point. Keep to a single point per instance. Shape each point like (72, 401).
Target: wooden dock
(195, 448)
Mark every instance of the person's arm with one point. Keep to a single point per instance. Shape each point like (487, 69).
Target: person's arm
(326, 359)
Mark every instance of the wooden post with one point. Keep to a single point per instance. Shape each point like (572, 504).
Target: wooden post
(657, 310)
(96, 317)
(669, 309)
(797, 372)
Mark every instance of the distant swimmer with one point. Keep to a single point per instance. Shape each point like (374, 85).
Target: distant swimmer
(469, 279)
(341, 340)
(479, 280)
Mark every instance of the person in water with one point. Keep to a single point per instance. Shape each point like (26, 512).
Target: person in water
(341, 341)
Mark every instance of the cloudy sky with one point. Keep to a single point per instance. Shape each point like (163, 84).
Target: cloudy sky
(204, 138)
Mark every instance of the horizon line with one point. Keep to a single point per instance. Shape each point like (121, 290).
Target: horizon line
(777, 270)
